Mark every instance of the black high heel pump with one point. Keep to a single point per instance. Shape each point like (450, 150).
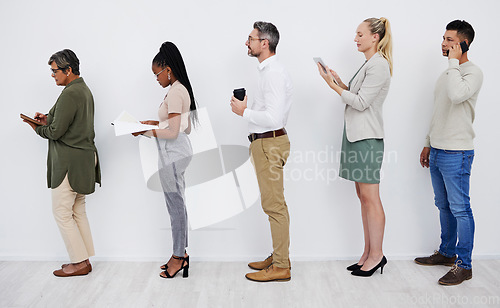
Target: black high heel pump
(361, 273)
(185, 268)
(354, 267)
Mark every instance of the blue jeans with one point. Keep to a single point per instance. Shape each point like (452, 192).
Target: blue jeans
(450, 174)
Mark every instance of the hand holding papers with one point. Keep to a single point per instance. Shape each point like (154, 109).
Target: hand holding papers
(126, 124)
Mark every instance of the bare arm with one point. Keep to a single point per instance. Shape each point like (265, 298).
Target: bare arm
(188, 129)
(171, 132)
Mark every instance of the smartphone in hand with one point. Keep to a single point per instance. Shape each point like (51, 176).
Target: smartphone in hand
(463, 46)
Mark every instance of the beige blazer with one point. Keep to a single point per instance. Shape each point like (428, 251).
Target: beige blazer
(363, 112)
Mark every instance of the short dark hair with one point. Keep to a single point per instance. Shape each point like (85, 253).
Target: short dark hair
(65, 59)
(463, 28)
(269, 32)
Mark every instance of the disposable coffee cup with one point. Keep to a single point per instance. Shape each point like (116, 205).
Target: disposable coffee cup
(239, 93)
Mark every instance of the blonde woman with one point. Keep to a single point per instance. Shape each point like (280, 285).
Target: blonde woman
(363, 144)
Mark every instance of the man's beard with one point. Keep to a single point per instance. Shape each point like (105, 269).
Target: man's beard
(252, 54)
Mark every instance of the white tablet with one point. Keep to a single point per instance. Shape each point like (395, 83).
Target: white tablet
(320, 61)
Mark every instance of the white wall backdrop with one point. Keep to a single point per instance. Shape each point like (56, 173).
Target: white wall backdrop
(116, 42)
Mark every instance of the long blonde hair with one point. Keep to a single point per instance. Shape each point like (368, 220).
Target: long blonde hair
(382, 27)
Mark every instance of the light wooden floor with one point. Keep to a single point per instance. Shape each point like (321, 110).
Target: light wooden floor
(222, 284)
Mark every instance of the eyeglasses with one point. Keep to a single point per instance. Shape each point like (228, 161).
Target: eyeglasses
(54, 70)
(156, 75)
(250, 39)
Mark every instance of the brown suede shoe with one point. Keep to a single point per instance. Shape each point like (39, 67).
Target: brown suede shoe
(260, 265)
(455, 276)
(436, 259)
(271, 273)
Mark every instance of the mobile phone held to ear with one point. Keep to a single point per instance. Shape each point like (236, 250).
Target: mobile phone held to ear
(464, 47)
(239, 93)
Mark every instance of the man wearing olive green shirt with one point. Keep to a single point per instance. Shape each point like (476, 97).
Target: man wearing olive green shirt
(72, 164)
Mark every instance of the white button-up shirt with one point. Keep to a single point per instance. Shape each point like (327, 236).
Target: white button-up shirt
(272, 102)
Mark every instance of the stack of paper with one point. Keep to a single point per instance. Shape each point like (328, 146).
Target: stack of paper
(127, 124)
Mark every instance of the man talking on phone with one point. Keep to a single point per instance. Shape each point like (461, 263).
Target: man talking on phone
(269, 146)
(449, 152)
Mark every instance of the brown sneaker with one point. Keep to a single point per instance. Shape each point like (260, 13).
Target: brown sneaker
(436, 259)
(455, 276)
(271, 273)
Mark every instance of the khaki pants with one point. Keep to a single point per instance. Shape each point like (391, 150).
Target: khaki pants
(268, 156)
(68, 208)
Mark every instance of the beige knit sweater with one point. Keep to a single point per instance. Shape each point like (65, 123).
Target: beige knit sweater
(455, 99)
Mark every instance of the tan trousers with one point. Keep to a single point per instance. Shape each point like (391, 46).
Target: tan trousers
(269, 156)
(68, 208)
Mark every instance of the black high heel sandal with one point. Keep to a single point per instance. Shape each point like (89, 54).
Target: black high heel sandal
(361, 273)
(164, 266)
(354, 267)
(185, 268)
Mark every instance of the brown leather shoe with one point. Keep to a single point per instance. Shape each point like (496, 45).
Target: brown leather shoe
(436, 259)
(81, 272)
(87, 261)
(455, 276)
(260, 265)
(271, 273)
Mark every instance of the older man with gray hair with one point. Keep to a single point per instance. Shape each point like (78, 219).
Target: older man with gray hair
(270, 147)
